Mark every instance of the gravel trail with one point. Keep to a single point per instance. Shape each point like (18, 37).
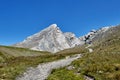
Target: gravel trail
(42, 71)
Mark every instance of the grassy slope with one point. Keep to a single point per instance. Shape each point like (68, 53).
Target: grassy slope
(102, 64)
(14, 61)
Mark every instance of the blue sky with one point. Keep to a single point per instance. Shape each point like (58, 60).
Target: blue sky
(21, 18)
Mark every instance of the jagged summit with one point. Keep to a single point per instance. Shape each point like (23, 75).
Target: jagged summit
(53, 25)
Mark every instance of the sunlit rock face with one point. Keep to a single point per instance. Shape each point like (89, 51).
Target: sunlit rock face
(51, 39)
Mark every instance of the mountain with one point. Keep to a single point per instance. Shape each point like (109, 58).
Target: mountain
(51, 39)
(101, 64)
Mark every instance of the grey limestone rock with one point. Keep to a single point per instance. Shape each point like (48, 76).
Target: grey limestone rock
(51, 39)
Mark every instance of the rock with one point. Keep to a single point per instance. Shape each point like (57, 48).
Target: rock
(72, 40)
(90, 50)
(88, 78)
(70, 67)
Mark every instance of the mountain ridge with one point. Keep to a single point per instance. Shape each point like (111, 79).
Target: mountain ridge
(52, 39)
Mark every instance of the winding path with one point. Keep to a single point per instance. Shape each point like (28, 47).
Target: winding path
(42, 71)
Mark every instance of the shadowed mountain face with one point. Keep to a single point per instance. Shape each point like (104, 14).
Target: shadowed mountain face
(52, 39)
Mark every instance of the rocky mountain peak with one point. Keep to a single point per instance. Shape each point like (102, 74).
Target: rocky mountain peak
(53, 26)
(50, 39)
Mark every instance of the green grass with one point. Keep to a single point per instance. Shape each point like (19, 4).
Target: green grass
(15, 66)
(14, 61)
(64, 74)
(16, 52)
(102, 64)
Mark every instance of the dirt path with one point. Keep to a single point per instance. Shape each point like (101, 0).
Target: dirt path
(42, 71)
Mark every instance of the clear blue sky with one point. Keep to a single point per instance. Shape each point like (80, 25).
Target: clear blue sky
(21, 18)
